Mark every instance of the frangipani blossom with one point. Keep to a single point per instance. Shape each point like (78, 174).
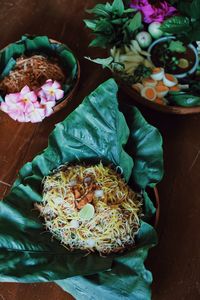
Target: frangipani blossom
(16, 114)
(46, 104)
(153, 13)
(27, 98)
(52, 90)
(37, 114)
(25, 105)
(10, 102)
(11, 107)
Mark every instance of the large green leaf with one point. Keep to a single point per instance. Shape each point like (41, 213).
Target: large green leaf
(128, 279)
(145, 146)
(96, 130)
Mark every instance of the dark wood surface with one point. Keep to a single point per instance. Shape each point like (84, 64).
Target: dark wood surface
(175, 262)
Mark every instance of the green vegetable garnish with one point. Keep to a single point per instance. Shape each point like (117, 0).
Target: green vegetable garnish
(87, 212)
(113, 24)
(177, 46)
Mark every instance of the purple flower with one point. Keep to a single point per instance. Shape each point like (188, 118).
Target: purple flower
(153, 13)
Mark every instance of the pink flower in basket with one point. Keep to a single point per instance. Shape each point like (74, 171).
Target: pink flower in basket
(27, 98)
(47, 105)
(153, 13)
(12, 107)
(20, 106)
(36, 113)
(52, 90)
(25, 107)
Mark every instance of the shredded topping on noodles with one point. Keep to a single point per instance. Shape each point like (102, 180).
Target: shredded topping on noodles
(90, 208)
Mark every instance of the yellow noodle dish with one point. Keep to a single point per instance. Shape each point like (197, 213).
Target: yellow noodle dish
(90, 208)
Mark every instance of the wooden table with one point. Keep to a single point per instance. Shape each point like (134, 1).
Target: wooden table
(175, 262)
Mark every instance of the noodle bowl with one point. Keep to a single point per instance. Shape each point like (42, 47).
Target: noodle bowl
(90, 208)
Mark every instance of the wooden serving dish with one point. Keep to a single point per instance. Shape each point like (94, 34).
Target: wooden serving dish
(159, 107)
(68, 95)
(154, 196)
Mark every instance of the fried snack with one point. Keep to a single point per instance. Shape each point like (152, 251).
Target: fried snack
(32, 71)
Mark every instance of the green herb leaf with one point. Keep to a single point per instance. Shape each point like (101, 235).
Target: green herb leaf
(91, 24)
(104, 26)
(129, 10)
(99, 41)
(104, 62)
(108, 7)
(135, 23)
(176, 25)
(114, 26)
(100, 10)
(177, 46)
(118, 7)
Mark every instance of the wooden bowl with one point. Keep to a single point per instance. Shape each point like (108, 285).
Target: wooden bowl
(154, 196)
(159, 107)
(68, 95)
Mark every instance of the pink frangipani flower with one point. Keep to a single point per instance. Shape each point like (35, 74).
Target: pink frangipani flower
(11, 107)
(46, 104)
(27, 98)
(16, 114)
(25, 105)
(37, 113)
(153, 13)
(52, 90)
(10, 102)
